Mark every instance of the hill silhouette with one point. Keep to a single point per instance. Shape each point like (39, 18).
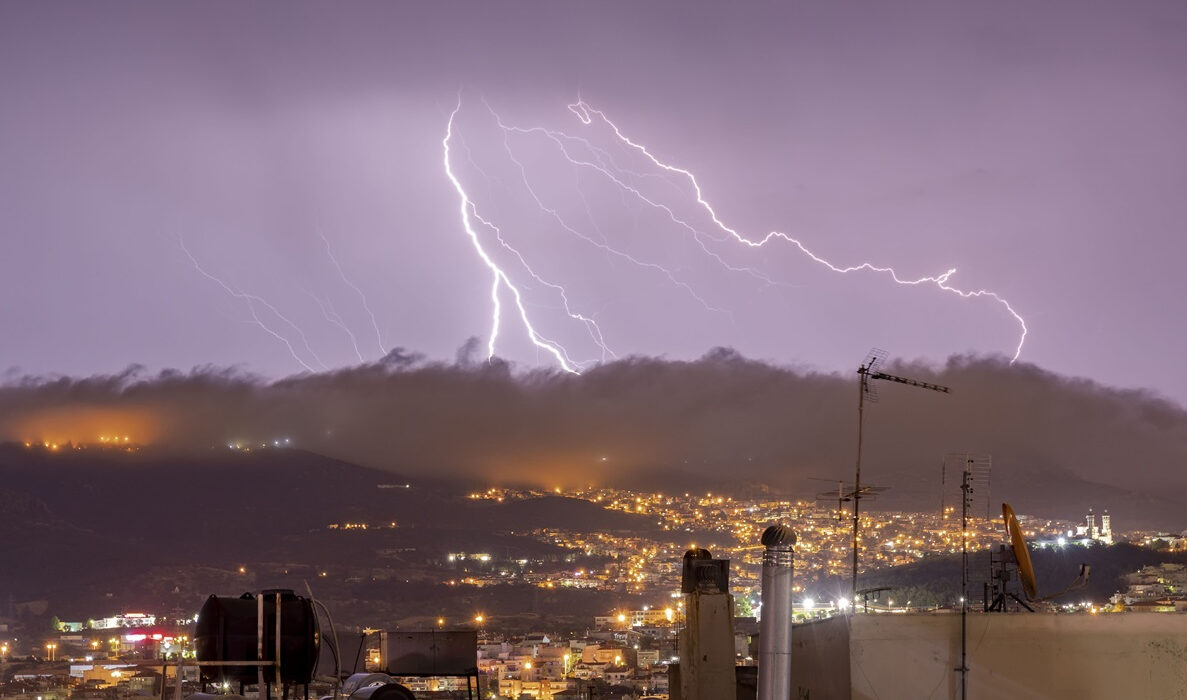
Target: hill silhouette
(79, 524)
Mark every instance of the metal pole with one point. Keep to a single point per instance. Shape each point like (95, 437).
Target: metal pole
(260, 644)
(965, 489)
(277, 679)
(861, 395)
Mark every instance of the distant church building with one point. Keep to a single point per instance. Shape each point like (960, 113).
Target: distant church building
(1089, 530)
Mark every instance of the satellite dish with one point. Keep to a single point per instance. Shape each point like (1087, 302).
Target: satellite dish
(1026, 572)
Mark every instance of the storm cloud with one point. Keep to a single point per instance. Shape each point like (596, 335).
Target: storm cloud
(722, 416)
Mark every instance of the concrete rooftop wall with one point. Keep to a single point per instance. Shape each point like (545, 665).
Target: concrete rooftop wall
(1018, 656)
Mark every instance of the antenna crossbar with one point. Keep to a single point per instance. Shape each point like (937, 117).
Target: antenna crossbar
(865, 390)
(909, 382)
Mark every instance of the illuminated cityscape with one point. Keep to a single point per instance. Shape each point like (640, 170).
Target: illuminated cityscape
(629, 642)
(730, 526)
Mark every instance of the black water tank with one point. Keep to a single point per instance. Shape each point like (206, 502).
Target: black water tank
(227, 631)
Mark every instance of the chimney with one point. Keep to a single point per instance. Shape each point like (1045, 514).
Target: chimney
(707, 669)
(774, 641)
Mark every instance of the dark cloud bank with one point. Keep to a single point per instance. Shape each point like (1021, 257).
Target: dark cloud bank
(1060, 445)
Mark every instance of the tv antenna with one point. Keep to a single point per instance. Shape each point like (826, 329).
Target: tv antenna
(974, 476)
(845, 493)
(951, 484)
(869, 371)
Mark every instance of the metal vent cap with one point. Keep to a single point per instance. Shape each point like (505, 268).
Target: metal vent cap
(778, 536)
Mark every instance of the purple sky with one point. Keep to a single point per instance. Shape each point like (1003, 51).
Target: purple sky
(1038, 149)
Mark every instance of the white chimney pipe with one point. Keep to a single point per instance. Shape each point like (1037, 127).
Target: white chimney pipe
(774, 652)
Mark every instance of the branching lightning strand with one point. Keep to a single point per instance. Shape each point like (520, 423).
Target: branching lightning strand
(559, 139)
(252, 300)
(352, 285)
(333, 317)
(468, 211)
(584, 113)
(601, 245)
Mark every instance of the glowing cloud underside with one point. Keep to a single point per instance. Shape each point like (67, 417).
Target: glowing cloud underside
(581, 152)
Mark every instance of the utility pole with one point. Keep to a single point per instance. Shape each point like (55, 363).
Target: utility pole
(867, 372)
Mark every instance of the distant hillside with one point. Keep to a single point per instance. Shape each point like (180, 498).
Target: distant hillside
(557, 512)
(155, 494)
(157, 497)
(78, 522)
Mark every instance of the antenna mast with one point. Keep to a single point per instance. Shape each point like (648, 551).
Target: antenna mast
(974, 474)
(869, 371)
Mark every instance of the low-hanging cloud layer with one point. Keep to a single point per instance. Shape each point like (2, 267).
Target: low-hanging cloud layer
(720, 416)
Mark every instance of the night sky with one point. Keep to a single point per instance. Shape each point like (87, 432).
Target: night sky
(295, 151)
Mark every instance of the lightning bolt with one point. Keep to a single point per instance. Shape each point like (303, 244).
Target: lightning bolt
(560, 138)
(333, 317)
(251, 301)
(362, 297)
(585, 113)
(582, 153)
(469, 213)
(591, 325)
(600, 245)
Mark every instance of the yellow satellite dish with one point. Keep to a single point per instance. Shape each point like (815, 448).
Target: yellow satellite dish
(1026, 572)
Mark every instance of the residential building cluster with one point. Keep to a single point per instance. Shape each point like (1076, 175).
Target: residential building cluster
(1157, 588)
(647, 562)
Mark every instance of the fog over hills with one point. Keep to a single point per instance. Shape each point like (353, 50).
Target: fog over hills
(1060, 445)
